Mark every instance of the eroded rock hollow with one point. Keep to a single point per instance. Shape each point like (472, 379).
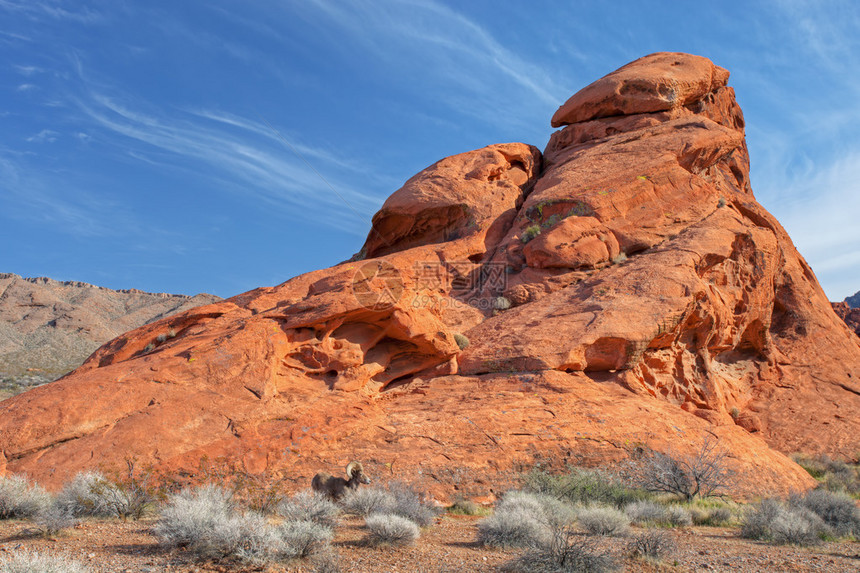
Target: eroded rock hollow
(622, 289)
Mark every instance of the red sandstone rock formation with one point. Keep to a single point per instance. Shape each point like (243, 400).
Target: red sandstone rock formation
(712, 324)
(850, 315)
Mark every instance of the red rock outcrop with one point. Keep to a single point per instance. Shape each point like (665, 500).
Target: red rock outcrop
(621, 290)
(850, 315)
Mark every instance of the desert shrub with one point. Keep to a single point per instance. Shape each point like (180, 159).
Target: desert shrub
(326, 561)
(466, 507)
(701, 474)
(651, 544)
(21, 499)
(161, 338)
(619, 258)
(604, 521)
(546, 509)
(390, 529)
(80, 497)
(501, 303)
(128, 493)
(33, 562)
(677, 516)
(720, 516)
(204, 522)
(564, 552)
(397, 498)
(367, 500)
(461, 340)
(771, 520)
(837, 510)
(530, 233)
(834, 475)
(643, 512)
(412, 505)
(53, 519)
(303, 538)
(309, 506)
(514, 527)
(757, 520)
(793, 527)
(583, 486)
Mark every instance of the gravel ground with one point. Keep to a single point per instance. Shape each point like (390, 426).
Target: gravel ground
(448, 546)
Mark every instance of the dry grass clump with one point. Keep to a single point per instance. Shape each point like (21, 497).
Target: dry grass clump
(645, 512)
(33, 562)
(773, 520)
(652, 544)
(604, 521)
(309, 506)
(390, 529)
(397, 499)
(21, 499)
(564, 552)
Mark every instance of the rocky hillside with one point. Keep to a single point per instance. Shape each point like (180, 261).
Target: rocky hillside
(48, 327)
(851, 315)
(854, 300)
(620, 291)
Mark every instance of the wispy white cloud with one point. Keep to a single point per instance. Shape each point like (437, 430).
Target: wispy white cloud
(25, 87)
(44, 136)
(33, 195)
(821, 218)
(28, 70)
(255, 161)
(485, 78)
(54, 10)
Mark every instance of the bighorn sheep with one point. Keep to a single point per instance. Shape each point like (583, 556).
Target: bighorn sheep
(335, 487)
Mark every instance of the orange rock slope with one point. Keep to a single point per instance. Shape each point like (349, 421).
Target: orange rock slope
(621, 290)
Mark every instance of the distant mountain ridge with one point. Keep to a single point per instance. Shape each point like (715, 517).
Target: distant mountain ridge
(853, 301)
(49, 327)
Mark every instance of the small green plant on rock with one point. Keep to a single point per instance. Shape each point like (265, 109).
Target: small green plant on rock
(461, 341)
(530, 233)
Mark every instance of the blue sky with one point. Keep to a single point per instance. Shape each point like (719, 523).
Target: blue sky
(218, 146)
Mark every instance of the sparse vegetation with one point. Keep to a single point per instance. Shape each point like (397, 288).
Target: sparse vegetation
(530, 233)
(834, 475)
(501, 303)
(702, 474)
(653, 544)
(516, 527)
(583, 486)
(645, 512)
(619, 258)
(721, 203)
(466, 507)
(54, 519)
(33, 562)
(366, 501)
(204, 521)
(82, 497)
(309, 506)
(837, 510)
(772, 520)
(21, 499)
(604, 521)
(390, 529)
(303, 538)
(564, 552)
(677, 516)
(461, 341)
